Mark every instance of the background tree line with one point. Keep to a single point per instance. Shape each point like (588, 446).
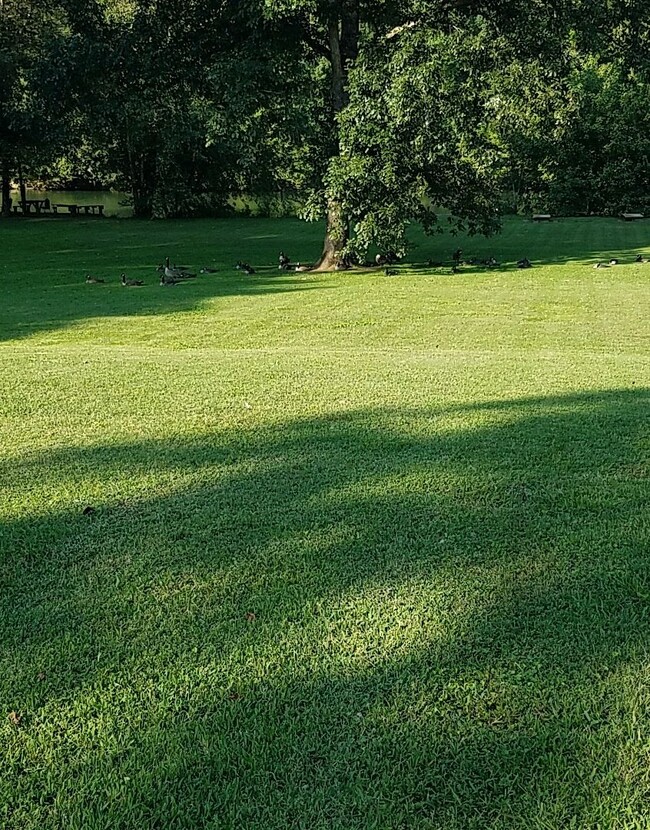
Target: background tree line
(373, 114)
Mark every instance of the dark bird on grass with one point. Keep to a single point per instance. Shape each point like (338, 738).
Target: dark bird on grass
(390, 272)
(600, 265)
(175, 272)
(245, 267)
(178, 268)
(208, 271)
(301, 268)
(165, 280)
(180, 275)
(283, 261)
(126, 281)
(524, 263)
(613, 261)
(457, 256)
(93, 280)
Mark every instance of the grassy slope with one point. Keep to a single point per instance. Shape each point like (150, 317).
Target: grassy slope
(368, 551)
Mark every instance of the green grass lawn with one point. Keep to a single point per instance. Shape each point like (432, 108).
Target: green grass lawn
(365, 551)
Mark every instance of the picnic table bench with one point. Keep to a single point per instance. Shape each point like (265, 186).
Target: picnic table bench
(629, 217)
(541, 217)
(39, 206)
(75, 210)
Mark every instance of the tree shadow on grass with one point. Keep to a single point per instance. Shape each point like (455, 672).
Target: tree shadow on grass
(39, 308)
(424, 618)
(44, 265)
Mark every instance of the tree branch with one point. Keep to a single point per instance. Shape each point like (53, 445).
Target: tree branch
(314, 42)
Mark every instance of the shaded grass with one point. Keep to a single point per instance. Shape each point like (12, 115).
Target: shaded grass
(369, 555)
(44, 263)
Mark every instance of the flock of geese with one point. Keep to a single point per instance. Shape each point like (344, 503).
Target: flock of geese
(169, 275)
(616, 261)
(176, 274)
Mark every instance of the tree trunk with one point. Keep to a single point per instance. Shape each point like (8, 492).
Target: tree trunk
(142, 203)
(141, 175)
(143, 182)
(6, 188)
(344, 39)
(21, 185)
(336, 237)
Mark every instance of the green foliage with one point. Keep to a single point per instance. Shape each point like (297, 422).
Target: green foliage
(404, 149)
(375, 115)
(34, 82)
(575, 143)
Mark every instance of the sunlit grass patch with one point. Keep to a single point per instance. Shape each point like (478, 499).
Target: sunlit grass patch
(347, 551)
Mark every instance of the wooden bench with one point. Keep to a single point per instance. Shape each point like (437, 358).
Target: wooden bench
(94, 209)
(541, 217)
(630, 217)
(75, 210)
(72, 209)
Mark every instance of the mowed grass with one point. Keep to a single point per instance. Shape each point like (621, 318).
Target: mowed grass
(364, 551)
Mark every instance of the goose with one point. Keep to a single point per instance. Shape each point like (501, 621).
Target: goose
(390, 272)
(208, 271)
(93, 280)
(284, 261)
(244, 266)
(524, 263)
(302, 268)
(600, 265)
(164, 280)
(171, 274)
(126, 281)
(176, 272)
(613, 261)
(179, 275)
(182, 273)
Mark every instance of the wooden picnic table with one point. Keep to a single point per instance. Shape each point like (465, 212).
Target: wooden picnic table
(629, 217)
(39, 205)
(75, 210)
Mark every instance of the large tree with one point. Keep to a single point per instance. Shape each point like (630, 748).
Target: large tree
(373, 114)
(407, 117)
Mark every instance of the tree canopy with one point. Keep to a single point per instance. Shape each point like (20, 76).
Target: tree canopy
(373, 115)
